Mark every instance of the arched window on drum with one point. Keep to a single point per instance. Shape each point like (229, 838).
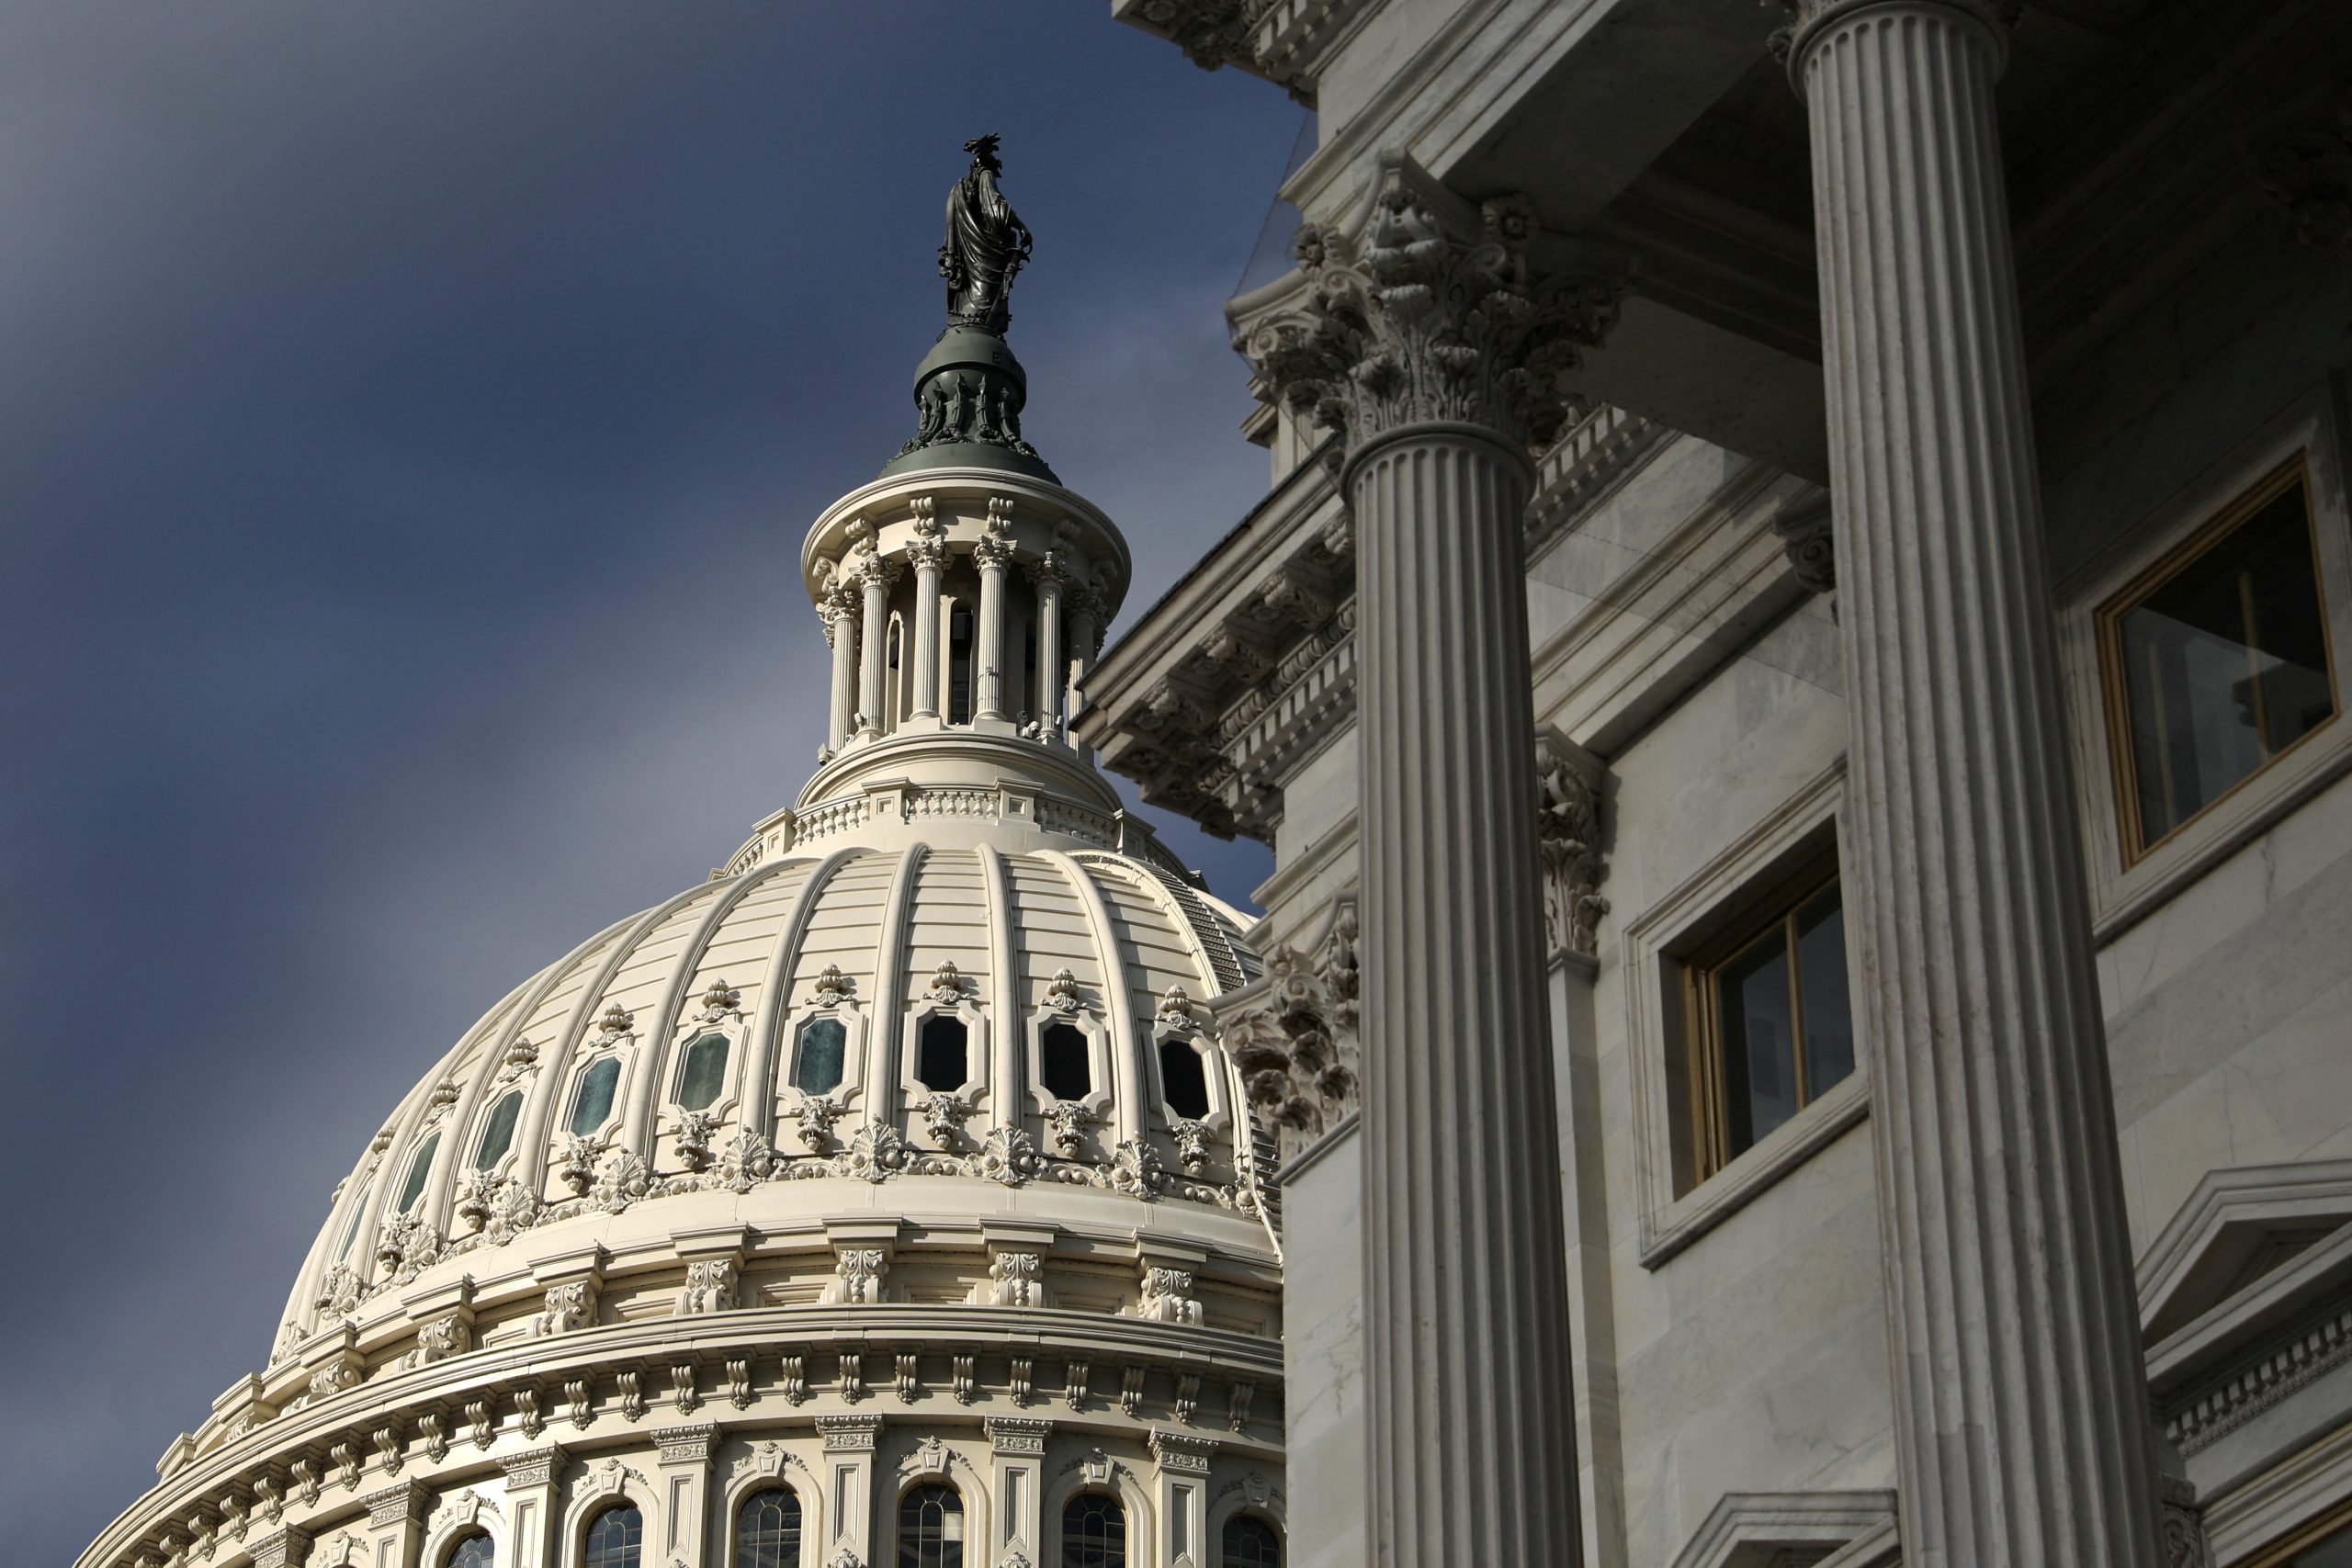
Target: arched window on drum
(616, 1538)
(767, 1530)
(475, 1550)
(931, 1527)
(1094, 1532)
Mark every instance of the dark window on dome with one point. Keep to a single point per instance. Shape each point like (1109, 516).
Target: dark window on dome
(351, 1227)
(594, 1103)
(419, 1168)
(705, 1073)
(822, 1043)
(1184, 1078)
(616, 1540)
(767, 1530)
(1094, 1532)
(940, 1060)
(959, 666)
(1249, 1541)
(1065, 1062)
(930, 1529)
(498, 1132)
(474, 1551)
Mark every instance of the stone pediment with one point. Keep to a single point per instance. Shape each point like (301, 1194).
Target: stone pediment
(2239, 1227)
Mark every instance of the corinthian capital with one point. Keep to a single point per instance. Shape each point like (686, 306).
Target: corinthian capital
(1432, 312)
(1810, 20)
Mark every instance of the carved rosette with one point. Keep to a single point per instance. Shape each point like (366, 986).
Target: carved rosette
(1416, 321)
(1567, 837)
(1293, 1036)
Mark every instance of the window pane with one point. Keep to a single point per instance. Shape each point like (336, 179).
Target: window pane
(2225, 664)
(930, 1529)
(822, 1041)
(351, 1226)
(615, 1540)
(1066, 1065)
(768, 1530)
(704, 1072)
(1249, 1542)
(940, 1062)
(595, 1101)
(474, 1551)
(1760, 1065)
(1829, 1011)
(1183, 1079)
(1094, 1532)
(498, 1132)
(419, 1168)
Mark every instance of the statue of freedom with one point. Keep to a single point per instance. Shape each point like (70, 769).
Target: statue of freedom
(986, 244)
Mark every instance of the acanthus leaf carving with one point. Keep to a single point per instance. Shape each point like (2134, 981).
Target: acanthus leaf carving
(1291, 1035)
(1567, 841)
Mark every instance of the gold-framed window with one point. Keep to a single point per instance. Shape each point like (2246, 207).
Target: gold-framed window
(2216, 661)
(2322, 1542)
(1770, 1019)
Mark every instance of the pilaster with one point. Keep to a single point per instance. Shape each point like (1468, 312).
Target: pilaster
(1181, 1481)
(849, 1477)
(685, 1482)
(531, 1481)
(396, 1523)
(2022, 1430)
(1017, 1480)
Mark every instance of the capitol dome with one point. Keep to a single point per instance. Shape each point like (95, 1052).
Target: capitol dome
(885, 1196)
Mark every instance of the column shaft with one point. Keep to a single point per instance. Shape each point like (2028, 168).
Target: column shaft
(875, 630)
(1051, 678)
(841, 621)
(2022, 1429)
(987, 701)
(1472, 1450)
(928, 559)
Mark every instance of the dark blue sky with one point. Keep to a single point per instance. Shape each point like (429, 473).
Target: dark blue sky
(409, 416)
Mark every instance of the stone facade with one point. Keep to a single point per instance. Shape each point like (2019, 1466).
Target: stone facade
(1818, 568)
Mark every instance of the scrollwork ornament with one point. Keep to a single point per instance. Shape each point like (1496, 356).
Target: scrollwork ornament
(1414, 321)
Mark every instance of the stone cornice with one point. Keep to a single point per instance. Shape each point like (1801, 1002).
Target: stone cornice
(309, 1448)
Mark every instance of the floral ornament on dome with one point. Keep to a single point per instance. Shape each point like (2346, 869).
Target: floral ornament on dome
(946, 984)
(1192, 1143)
(1061, 992)
(617, 1022)
(832, 986)
(746, 1161)
(722, 1000)
(1010, 1156)
(695, 1130)
(576, 1157)
(476, 1191)
(943, 1115)
(1070, 1122)
(1176, 1006)
(816, 1115)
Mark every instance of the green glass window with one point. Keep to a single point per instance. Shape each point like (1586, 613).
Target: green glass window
(420, 1166)
(474, 1551)
(498, 1131)
(704, 1074)
(2217, 659)
(823, 1042)
(1771, 1024)
(594, 1104)
(1184, 1078)
(351, 1226)
(1065, 1062)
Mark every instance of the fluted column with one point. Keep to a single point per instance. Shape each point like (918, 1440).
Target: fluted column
(841, 632)
(929, 554)
(990, 558)
(1432, 353)
(1085, 636)
(876, 575)
(1048, 578)
(2022, 1431)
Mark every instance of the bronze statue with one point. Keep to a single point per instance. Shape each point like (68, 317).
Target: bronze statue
(986, 244)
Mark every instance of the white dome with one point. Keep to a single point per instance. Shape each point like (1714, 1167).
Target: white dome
(672, 1058)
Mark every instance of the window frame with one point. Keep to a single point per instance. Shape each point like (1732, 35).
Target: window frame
(1675, 1207)
(1710, 1108)
(1128, 1554)
(943, 1482)
(2126, 889)
(2134, 845)
(761, 1486)
(852, 1087)
(605, 1130)
(966, 1010)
